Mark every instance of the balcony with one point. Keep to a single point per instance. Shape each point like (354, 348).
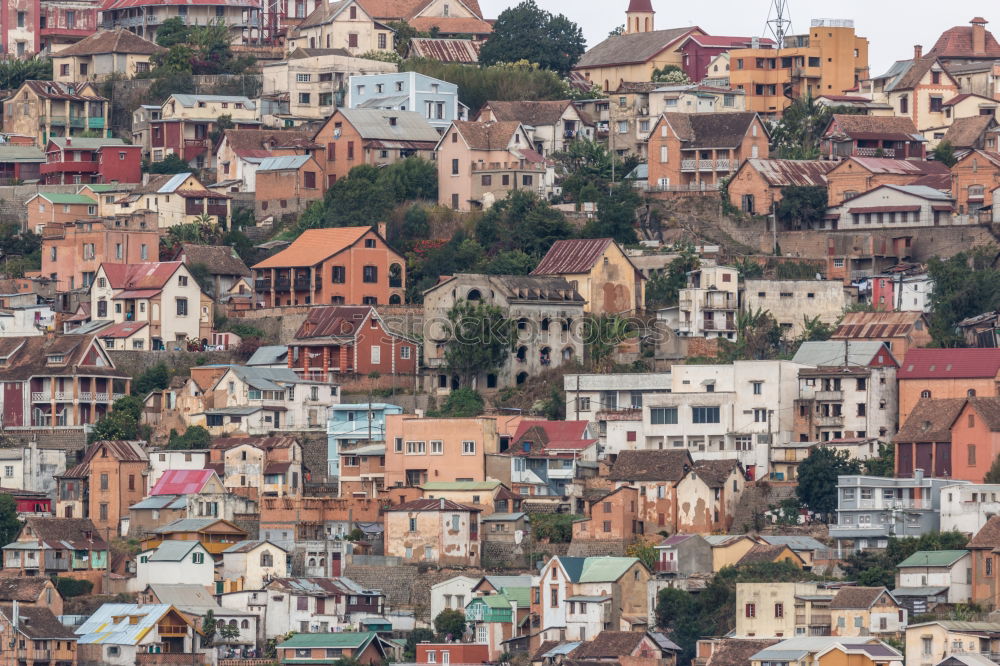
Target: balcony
(82, 166)
(262, 285)
(63, 121)
(830, 396)
(86, 396)
(41, 396)
(194, 147)
(666, 567)
(711, 325)
(95, 123)
(888, 153)
(829, 420)
(709, 165)
(813, 620)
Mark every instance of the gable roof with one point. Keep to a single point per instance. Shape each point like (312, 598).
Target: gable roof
(333, 321)
(715, 473)
(879, 325)
(988, 409)
(487, 136)
(261, 142)
(988, 535)
(28, 356)
(251, 545)
(218, 259)
(38, 623)
(64, 533)
(313, 246)
(63, 90)
(354, 640)
(957, 42)
(956, 363)
(737, 651)
(711, 130)
(172, 550)
(850, 597)
(916, 71)
(529, 112)
(765, 552)
(378, 124)
(785, 173)
(572, 256)
(967, 132)
(283, 163)
(118, 40)
(610, 644)
(440, 504)
(933, 558)
(151, 275)
(554, 434)
(445, 50)
(930, 420)
(856, 126)
(28, 588)
(651, 465)
(629, 48)
(181, 481)
(101, 626)
(831, 354)
(604, 569)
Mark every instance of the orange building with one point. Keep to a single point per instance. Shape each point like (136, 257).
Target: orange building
(454, 653)
(973, 179)
(829, 60)
(614, 517)
(697, 150)
(48, 207)
(373, 136)
(951, 437)
(288, 184)
(857, 175)
(947, 373)
(72, 251)
(984, 547)
(342, 266)
(423, 449)
(115, 476)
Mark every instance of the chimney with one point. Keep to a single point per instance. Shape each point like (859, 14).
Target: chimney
(918, 52)
(442, 504)
(381, 229)
(69, 141)
(978, 35)
(918, 475)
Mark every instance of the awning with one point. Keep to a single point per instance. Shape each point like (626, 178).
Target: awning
(885, 209)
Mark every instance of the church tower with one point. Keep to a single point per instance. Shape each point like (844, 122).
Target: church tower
(639, 16)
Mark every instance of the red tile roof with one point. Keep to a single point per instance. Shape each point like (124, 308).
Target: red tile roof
(957, 43)
(333, 321)
(574, 256)
(152, 275)
(181, 481)
(125, 329)
(950, 364)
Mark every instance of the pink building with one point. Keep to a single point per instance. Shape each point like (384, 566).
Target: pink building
(699, 50)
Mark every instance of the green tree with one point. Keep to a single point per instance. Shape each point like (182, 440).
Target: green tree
(670, 74)
(450, 622)
(552, 527)
(195, 437)
(229, 632)
(964, 285)
(801, 206)
(15, 71)
(878, 568)
(758, 336)
(512, 262)
(884, 464)
(521, 80)
(524, 222)
(463, 403)
(817, 488)
(208, 628)
(415, 224)
(585, 168)
(814, 330)
(403, 35)
(748, 268)
(122, 423)
(797, 135)
(601, 336)
(173, 31)
(482, 338)
(10, 526)
(528, 32)
(172, 163)
(993, 474)
(666, 288)
(944, 153)
(616, 216)
(658, 291)
(645, 550)
(415, 638)
(151, 379)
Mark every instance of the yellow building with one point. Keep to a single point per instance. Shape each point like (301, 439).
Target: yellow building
(633, 55)
(866, 611)
(782, 610)
(828, 651)
(728, 549)
(606, 278)
(103, 54)
(830, 60)
(930, 642)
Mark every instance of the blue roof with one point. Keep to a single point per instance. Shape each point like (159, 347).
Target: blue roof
(269, 355)
(100, 627)
(562, 649)
(265, 378)
(282, 163)
(174, 182)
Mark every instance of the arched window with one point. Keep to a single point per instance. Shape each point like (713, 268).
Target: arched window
(220, 624)
(971, 393)
(312, 561)
(395, 275)
(245, 624)
(395, 300)
(567, 353)
(925, 394)
(522, 324)
(232, 623)
(545, 324)
(522, 354)
(322, 562)
(522, 377)
(266, 560)
(473, 295)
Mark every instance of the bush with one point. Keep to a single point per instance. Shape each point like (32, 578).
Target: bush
(555, 527)
(462, 403)
(71, 587)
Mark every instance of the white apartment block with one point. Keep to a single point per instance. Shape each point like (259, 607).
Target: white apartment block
(966, 507)
(610, 401)
(707, 307)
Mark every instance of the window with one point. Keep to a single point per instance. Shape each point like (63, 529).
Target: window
(583, 404)
(302, 78)
(468, 448)
(376, 354)
(416, 448)
(337, 274)
(972, 455)
(404, 352)
(182, 281)
(437, 447)
(758, 387)
(760, 415)
(750, 610)
(779, 610)
(352, 40)
(937, 104)
(527, 181)
(104, 481)
(382, 40)
(454, 167)
(369, 274)
(663, 415)
(925, 394)
(198, 558)
(705, 415)
(182, 307)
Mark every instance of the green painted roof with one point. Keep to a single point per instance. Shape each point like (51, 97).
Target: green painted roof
(59, 198)
(105, 187)
(460, 485)
(347, 639)
(933, 558)
(596, 569)
(496, 601)
(522, 595)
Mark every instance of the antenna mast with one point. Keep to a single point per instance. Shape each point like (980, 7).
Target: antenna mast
(779, 21)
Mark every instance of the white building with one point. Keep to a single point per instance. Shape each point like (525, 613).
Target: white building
(967, 507)
(453, 594)
(26, 320)
(255, 562)
(610, 400)
(894, 206)
(791, 302)
(31, 468)
(174, 562)
(436, 100)
(949, 569)
(708, 304)
(164, 459)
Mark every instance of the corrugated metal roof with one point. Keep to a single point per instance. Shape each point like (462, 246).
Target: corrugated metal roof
(784, 173)
(464, 51)
(573, 256)
(460, 485)
(12, 152)
(62, 198)
(933, 558)
(376, 124)
(269, 355)
(182, 481)
(922, 363)
(921, 191)
(189, 100)
(125, 329)
(313, 246)
(74, 142)
(282, 163)
(100, 627)
(161, 502)
(265, 379)
(172, 550)
(174, 182)
(830, 354)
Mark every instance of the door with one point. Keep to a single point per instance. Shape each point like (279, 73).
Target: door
(13, 404)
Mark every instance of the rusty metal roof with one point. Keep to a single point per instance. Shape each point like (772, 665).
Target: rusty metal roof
(464, 51)
(573, 256)
(785, 173)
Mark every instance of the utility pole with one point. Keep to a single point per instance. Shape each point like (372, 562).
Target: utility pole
(774, 232)
(576, 398)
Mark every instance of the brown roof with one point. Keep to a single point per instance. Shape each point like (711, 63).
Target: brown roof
(938, 181)
(917, 70)
(432, 505)
(848, 598)
(968, 132)
(784, 173)
(543, 648)
(218, 259)
(120, 450)
(38, 623)
(573, 256)
(634, 47)
(877, 325)
(930, 420)
(487, 136)
(711, 130)
(651, 465)
(445, 50)
(957, 43)
(715, 472)
(407, 9)
(118, 40)
(322, 14)
(737, 651)
(609, 644)
(451, 25)
(529, 113)
(333, 321)
(29, 588)
(72, 531)
(61, 90)
(988, 535)
(854, 126)
(28, 357)
(263, 141)
(988, 409)
(762, 552)
(277, 442)
(626, 87)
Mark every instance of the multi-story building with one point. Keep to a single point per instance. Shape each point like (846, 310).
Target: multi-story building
(61, 381)
(155, 305)
(31, 468)
(699, 52)
(975, 177)
(600, 270)
(935, 575)
(176, 199)
(240, 152)
(776, 610)
(947, 373)
(871, 509)
(829, 59)
(109, 480)
(898, 331)
(965, 507)
(480, 163)
(117, 634)
(708, 305)
(56, 546)
(81, 160)
(373, 136)
(849, 392)
(186, 123)
(44, 109)
(345, 26)
(50, 641)
(944, 640)
(144, 17)
(696, 151)
(610, 401)
(353, 423)
(545, 456)
(103, 54)
(548, 312)
(857, 175)
(759, 184)
(794, 302)
(826, 651)
(921, 89)
(855, 135)
(552, 125)
(29, 27)
(259, 467)
(866, 611)
(435, 531)
(422, 449)
(434, 99)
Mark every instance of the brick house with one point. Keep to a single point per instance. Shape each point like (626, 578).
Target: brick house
(31, 592)
(186, 123)
(973, 179)
(50, 640)
(350, 339)
(947, 373)
(698, 150)
(84, 160)
(59, 546)
(759, 183)
(423, 449)
(613, 517)
(919, 89)
(373, 136)
(66, 381)
(603, 274)
(110, 478)
(889, 137)
(342, 266)
(955, 438)
(241, 150)
(52, 207)
(983, 548)
(434, 531)
(346, 27)
(293, 182)
(44, 109)
(857, 175)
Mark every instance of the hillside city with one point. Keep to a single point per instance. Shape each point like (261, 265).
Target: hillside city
(368, 332)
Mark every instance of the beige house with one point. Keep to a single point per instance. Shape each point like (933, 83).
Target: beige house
(866, 611)
(341, 25)
(480, 163)
(312, 81)
(175, 199)
(551, 125)
(251, 564)
(43, 109)
(931, 642)
(433, 530)
(600, 270)
(728, 549)
(790, 302)
(782, 610)
(117, 52)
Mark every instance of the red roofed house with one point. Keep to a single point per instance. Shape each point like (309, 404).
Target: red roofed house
(857, 175)
(186, 493)
(350, 339)
(436, 531)
(342, 266)
(890, 137)
(110, 478)
(157, 305)
(967, 43)
(758, 184)
(241, 150)
(973, 179)
(947, 373)
(462, 18)
(956, 438)
(544, 455)
(187, 482)
(70, 160)
(699, 50)
(604, 275)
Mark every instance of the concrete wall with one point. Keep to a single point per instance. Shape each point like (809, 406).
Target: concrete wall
(180, 363)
